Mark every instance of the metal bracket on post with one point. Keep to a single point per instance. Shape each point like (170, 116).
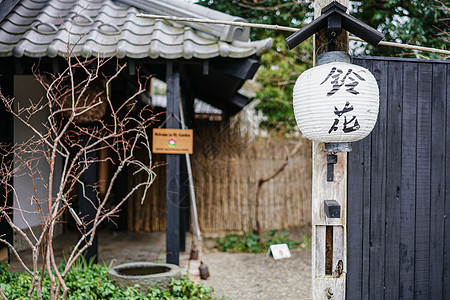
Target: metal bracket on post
(332, 208)
(338, 147)
(331, 161)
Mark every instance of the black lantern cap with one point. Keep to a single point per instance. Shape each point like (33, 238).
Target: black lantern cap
(335, 18)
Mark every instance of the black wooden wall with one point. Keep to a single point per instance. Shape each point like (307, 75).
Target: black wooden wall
(399, 186)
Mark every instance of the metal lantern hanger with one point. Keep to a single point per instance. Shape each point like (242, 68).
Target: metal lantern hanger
(334, 18)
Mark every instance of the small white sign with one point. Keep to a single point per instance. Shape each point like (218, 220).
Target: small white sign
(279, 251)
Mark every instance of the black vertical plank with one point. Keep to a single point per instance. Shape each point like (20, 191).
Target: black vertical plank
(355, 175)
(447, 194)
(6, 138)
(408, 180)
(437, 180)
(378, 188)
(367, 160)
(356, 216)
(88, 201)
(172, 168)
(393, 180)
(366, 224)
(423, 177)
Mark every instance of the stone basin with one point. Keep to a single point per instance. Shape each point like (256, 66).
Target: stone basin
(145, 274)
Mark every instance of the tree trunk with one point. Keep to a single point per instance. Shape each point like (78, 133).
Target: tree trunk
(263, 180)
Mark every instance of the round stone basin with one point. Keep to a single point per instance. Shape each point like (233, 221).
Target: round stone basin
(145, 274)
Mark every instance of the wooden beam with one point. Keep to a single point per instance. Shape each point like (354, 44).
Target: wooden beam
(328, 283)
(244, 68)
(173, 168)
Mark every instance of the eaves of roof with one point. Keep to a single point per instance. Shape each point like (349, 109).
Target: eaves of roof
(105, 28)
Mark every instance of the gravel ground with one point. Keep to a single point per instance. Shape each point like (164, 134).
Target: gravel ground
(242, 276)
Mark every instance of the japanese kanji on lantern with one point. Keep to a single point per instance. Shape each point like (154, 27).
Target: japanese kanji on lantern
(336, 101)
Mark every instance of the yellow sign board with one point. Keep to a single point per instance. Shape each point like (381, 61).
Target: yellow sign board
(172, 141)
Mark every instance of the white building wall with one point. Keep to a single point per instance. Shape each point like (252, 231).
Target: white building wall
(26, 211)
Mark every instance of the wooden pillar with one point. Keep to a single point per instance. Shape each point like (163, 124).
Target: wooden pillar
(173, 168)
(184, 204)
(329, 238)
(88, 202)
(184, 180)
(6, 137)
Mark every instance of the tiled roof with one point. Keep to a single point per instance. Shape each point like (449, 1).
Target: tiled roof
(37, 28)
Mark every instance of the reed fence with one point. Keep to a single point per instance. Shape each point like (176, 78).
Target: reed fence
(226, 168)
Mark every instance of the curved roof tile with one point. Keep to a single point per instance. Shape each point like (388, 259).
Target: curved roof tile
(37, 28)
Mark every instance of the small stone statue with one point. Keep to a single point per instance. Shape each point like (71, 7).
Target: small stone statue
(204, 273)
(194, 252)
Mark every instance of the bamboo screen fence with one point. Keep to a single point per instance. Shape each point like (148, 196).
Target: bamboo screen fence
(226, 168)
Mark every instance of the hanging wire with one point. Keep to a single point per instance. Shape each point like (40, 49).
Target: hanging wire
(171, 115)
(349, 51)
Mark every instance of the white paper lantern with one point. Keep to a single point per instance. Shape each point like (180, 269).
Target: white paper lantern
(336, 102)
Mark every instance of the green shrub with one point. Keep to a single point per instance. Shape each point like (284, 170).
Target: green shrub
(248, 243)
(90, 281)
(252, 243)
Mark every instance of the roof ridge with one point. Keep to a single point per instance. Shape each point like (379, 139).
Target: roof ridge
(179, 8)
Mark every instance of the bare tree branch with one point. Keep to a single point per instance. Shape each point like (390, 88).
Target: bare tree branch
(75, 94)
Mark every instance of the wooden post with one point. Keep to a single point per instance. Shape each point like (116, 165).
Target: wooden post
(173, 168)
(321, 39)
(88, 202)
(184, 176)
(329, 238)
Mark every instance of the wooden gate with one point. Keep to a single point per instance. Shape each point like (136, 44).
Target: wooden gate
(399, 186)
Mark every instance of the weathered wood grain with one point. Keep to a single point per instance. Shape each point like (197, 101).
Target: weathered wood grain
(408, 181)
(172, 169)
(378, 188)
(446, 294)
(367, 153)
(423, 182)
(407, 209)
(393, 179)
(438, 115)
(355, 228)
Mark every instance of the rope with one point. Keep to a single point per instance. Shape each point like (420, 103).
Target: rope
(284, 28)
